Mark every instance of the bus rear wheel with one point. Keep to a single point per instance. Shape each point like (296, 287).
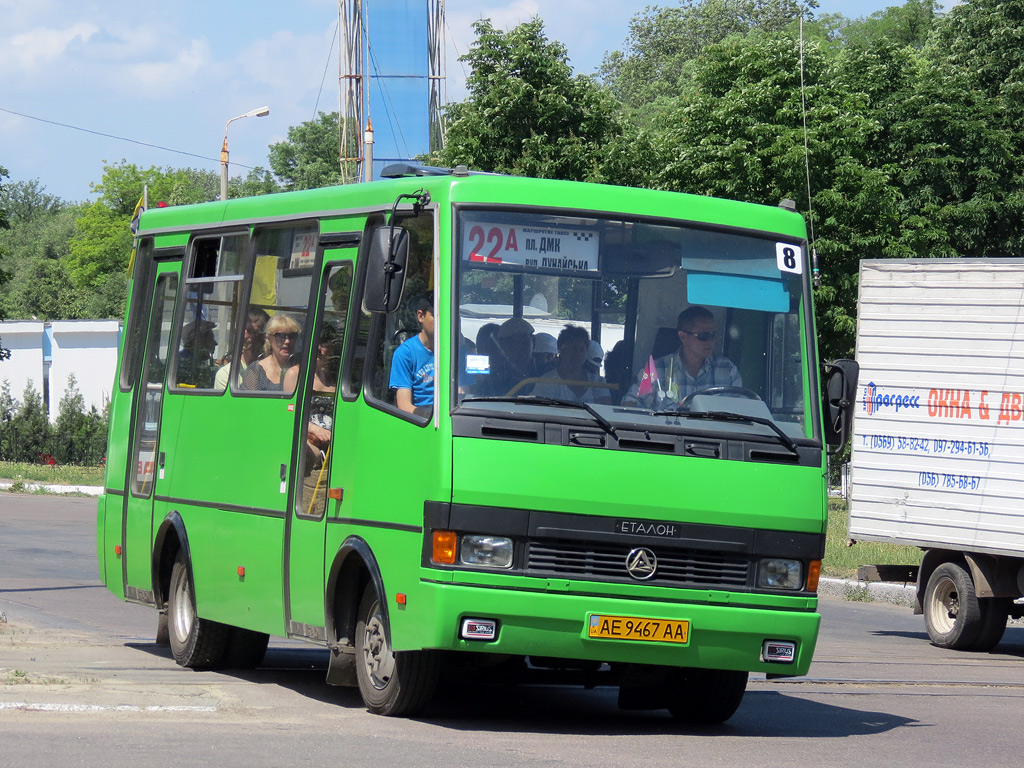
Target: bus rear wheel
(195, 643)
(391, 683)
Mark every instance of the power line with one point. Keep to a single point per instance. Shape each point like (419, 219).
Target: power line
(118, 138)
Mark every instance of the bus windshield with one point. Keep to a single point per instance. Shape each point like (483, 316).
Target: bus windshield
(633, 324)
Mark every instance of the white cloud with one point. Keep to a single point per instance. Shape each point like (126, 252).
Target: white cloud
(160, 77)
(38, 47)
(289, 61)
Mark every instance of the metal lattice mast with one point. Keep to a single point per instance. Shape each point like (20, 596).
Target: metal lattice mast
(351, 87)
(436, 71)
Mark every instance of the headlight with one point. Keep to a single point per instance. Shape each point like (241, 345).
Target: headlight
(489, 551)
(779, 573)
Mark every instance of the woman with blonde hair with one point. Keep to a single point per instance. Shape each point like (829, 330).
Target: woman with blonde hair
(282, 342)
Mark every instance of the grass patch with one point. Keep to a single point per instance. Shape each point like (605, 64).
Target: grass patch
(42, 473)
(842, 561)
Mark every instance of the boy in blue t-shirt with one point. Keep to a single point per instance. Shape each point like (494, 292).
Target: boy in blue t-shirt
(412, 366)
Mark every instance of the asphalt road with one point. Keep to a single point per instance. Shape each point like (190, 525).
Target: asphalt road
(81, 683)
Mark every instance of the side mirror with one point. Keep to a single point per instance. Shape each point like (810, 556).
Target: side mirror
(840, 399)
(385, 269)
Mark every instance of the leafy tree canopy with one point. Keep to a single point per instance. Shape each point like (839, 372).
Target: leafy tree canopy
(664, 40)
(308, 158)
(526, 113)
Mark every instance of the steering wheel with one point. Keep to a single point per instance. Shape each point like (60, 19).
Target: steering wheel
(749, 394)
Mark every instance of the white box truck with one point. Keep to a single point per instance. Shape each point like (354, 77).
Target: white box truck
(938, 444)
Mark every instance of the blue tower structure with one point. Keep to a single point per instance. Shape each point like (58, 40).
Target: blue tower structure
(393, 76)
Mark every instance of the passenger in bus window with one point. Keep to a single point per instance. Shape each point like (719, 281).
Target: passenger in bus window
(570, 379)
(412, 366)
(615, 370)
(267, 373)
(694, 366)
(321, 399)
(545, 352)
(195, 358)
(253, 340)
(594, 358)
(512, 362)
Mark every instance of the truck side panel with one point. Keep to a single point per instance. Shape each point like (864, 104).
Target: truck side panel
(939, 435)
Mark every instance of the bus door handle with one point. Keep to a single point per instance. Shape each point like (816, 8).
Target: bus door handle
(284, 472)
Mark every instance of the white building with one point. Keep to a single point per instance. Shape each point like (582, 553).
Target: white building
(46, 353)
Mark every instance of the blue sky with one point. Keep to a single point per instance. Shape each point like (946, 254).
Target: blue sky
(171, 74)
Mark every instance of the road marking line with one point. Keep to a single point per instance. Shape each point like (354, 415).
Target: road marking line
(48, 707)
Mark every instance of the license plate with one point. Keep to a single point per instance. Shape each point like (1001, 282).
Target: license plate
(635, 628)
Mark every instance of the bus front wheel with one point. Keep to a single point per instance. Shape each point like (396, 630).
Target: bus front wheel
(705, 696)
(391, 683)
(195, 643)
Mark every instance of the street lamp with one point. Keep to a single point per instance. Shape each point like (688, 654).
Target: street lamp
(261, 112)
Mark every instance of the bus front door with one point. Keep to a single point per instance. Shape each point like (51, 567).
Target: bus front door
(144, 458)
(306, 529)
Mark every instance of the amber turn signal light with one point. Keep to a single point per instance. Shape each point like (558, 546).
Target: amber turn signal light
(813, 574)
(444, 547)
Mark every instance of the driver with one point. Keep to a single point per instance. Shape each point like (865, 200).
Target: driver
(664, 382)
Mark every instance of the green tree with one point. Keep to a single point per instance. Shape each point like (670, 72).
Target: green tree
(24, 200)
(99, 251)
(8, 407)
(910, 24)
(526, 113)
(259, 181)
(30, 429)
(978, 48)
(664, 41)
(40, 286)
(308, 158)
(82, 433)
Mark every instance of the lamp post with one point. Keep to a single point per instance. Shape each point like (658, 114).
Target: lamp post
(261, 112)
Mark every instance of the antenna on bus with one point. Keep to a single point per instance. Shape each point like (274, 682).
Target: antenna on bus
(816, 274)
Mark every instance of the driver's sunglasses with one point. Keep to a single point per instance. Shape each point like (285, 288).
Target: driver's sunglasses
(703, 335)
(283, 337)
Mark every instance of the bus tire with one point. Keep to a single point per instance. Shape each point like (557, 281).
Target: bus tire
(195, 643)
(952, 613)
(390, 683)
(245, 648)
(705, 696)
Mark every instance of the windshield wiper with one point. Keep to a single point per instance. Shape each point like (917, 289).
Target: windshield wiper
(552, 401)
(785, 439)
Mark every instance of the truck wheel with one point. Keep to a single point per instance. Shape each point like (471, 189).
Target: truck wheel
(952, 613)
(195, 643)
(705, 696)
(994, 613)
(391, 683)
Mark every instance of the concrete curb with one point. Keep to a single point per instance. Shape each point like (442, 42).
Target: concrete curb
(868, 591)
(88, 490)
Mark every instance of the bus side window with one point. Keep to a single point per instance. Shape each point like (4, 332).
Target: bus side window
(282, 278)
(135, 328)
(401, 332)
(212, 297)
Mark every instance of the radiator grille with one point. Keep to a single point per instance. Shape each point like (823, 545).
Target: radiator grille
(607, 562)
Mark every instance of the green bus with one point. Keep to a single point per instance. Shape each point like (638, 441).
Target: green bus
(450, 423)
